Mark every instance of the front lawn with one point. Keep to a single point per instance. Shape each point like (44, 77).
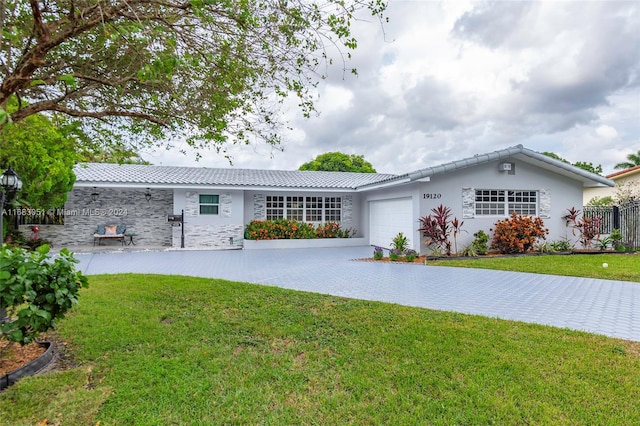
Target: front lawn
(169, 350)
(623, 267)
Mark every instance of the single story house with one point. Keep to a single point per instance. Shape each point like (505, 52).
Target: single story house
(625, 180)
(219, 202)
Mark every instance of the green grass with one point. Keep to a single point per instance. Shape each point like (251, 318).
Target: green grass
(623, 267)
(168, 350)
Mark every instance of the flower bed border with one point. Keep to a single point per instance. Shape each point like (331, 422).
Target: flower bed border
(29, 369)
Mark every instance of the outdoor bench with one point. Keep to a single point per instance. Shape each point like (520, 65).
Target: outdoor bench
(109, 232)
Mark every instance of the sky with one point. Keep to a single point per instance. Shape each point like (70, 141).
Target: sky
(446, 80)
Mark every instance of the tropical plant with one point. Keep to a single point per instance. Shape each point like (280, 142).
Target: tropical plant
(400, 243)
(518, 233)
(469, 251)
(456, 227)
(633, 160)
(339, 162)
(153, 71)
(436, 228)
(36, 289)
(561, 245)
(587, 228)
(604, 243)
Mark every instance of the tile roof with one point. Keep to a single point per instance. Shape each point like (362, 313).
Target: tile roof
(622, 173)
(136, 174)
(96, 173)
(519, 152)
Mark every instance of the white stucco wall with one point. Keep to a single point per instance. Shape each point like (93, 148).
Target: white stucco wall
(447, 189)
(630, 181)
(563, 193)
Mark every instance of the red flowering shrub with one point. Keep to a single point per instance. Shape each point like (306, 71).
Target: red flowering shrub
(517, 234)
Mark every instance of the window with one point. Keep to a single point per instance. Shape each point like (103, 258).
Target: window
(332, 209)
(295, 208)
(489, 202)
(314, 209)
(307, 209)
(523, 202)
(209, 204)
(275, 207)
(496, 202)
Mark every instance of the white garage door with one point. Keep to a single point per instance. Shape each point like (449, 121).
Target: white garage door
(387, 218)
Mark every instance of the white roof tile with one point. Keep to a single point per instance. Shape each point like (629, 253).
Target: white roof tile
(96, 173)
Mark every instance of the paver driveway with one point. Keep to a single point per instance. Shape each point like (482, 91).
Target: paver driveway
(599, 306)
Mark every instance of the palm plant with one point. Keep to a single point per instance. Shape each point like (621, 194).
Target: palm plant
(634, 160)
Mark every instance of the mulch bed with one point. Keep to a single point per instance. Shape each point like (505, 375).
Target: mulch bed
(18, 356)
(15, 356)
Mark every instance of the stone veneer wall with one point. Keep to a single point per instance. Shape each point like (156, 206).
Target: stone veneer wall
(148, 219)
(209, 235)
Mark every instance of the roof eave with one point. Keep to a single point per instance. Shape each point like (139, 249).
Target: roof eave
(588, 179)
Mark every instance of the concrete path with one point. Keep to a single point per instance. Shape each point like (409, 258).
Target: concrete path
(604, 307)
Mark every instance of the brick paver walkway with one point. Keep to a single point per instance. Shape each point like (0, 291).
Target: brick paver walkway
(605, 307)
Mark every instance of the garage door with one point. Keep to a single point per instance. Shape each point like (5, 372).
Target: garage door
(387, 218)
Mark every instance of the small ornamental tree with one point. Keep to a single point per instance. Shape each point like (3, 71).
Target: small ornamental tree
(36, 290)
(517, 234)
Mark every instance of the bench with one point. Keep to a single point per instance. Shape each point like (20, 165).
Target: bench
(109, 232)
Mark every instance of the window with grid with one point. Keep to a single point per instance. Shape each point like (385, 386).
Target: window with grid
(523, 202)
(496, 202)
(209, 204)
(275, 207)
(295, 208)
(489, 202)
(332, 209)
(313, 209)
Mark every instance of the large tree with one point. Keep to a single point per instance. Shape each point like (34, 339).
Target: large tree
(43, 155)
(339, 162)
(211, 71)
(634, 160)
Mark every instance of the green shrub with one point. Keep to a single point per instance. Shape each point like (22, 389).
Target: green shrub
(36, 290)
(289, 229)
(410, 255)
(561, 245)
(395, 254)
(377, 253)
(480, 243)
(517, 234)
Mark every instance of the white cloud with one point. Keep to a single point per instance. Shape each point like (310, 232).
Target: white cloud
(451, 79)
(606, 132)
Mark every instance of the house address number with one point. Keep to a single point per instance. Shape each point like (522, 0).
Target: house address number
(432, 196)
